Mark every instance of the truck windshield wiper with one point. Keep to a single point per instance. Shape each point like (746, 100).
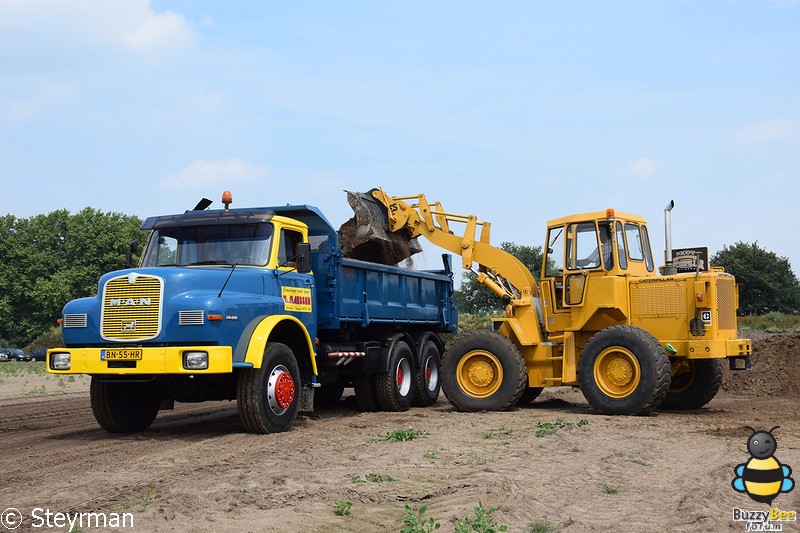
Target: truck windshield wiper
(211, 262)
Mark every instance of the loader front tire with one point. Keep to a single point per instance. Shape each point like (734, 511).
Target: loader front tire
(623, 370)
(269, 397)
(483, 371)
(124, 406)
(694, 383)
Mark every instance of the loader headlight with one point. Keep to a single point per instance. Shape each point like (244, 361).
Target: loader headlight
(195, 360)
(60, 361)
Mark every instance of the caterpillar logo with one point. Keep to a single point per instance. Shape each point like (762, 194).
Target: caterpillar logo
(296, 299)
(135, 302)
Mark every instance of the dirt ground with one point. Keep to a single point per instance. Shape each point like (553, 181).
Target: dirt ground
(195, 470)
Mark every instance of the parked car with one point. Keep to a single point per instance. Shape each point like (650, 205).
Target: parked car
(15, 354)
(39, 354)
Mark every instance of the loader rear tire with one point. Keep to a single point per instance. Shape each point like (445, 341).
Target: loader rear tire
(623, 370)
(695, 382)
(428, 376)
(529, 395)
(269, 397)
(395, 388)
(483, 371)
(124, 407)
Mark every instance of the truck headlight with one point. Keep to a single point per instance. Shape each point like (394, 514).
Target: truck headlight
(60, 361)
(195, 360)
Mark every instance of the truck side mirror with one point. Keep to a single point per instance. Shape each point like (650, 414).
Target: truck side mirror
(133, 247)
(303, 258)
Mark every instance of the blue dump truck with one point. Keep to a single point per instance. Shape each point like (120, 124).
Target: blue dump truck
(260, 306)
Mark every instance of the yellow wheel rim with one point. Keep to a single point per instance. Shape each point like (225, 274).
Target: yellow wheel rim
(683, 373)
(617, 372)
(479, 374)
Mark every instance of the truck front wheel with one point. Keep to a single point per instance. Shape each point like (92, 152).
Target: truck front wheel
(124, 407)
(483, 371)
(395, 388)
(694, 383)
(268, 397)
(623, 370)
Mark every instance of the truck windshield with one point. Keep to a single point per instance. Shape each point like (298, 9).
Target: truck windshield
(244, 244)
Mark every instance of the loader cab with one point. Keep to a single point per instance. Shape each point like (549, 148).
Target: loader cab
(582, 248)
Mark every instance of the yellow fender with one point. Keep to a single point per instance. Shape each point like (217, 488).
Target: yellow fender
(258, 341)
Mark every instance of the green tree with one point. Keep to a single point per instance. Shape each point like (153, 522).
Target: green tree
(474, 298)
(47, 260)
(766, 281)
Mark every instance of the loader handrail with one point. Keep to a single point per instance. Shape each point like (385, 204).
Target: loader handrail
(500, 271)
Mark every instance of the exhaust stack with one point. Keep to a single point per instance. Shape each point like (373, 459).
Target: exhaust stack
(669, 270)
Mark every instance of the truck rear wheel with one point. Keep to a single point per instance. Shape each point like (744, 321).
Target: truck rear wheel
(124, 407)
(623, 370)
(268, 397)
(395, 388)
(483, 371)
(427, 383)
(694, 383)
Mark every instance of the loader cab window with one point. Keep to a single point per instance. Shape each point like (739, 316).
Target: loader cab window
(584, 250)
(620, 236)
(554, 260)
(638, 244)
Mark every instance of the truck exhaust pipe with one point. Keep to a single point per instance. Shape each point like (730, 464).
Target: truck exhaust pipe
(669, 269)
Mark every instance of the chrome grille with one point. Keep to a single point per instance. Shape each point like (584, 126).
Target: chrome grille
(132, 308)
(74, 321)
(191, 318)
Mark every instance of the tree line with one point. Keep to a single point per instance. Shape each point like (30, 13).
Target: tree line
(48, 260)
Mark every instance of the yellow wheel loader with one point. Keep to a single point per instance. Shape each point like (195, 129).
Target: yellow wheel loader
(601, 317)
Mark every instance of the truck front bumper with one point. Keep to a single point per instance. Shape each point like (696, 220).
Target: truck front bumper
(158, 360)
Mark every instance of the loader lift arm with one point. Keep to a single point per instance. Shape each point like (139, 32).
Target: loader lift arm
(500, 271)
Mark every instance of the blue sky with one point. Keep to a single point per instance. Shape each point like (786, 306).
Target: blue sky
(518, 112)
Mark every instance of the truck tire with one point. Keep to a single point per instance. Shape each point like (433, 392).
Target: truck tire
(623, 370)
(395, 388)
(269, 397)
(427, 383)
(694, 383)
(529, 395)
(483, 371)
(366, 395)
(124, 407)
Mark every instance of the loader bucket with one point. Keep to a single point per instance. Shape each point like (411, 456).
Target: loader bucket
(366, 236)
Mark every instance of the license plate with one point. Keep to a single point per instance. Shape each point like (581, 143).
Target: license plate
(125, 354)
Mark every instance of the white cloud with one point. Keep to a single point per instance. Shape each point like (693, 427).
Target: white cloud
(127, 24)
(769, 132)
(641, 169)
(200, 174)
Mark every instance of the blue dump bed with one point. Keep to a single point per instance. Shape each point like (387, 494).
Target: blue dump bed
(368, 294)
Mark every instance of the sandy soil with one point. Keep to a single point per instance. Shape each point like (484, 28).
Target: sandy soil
(195, 470)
